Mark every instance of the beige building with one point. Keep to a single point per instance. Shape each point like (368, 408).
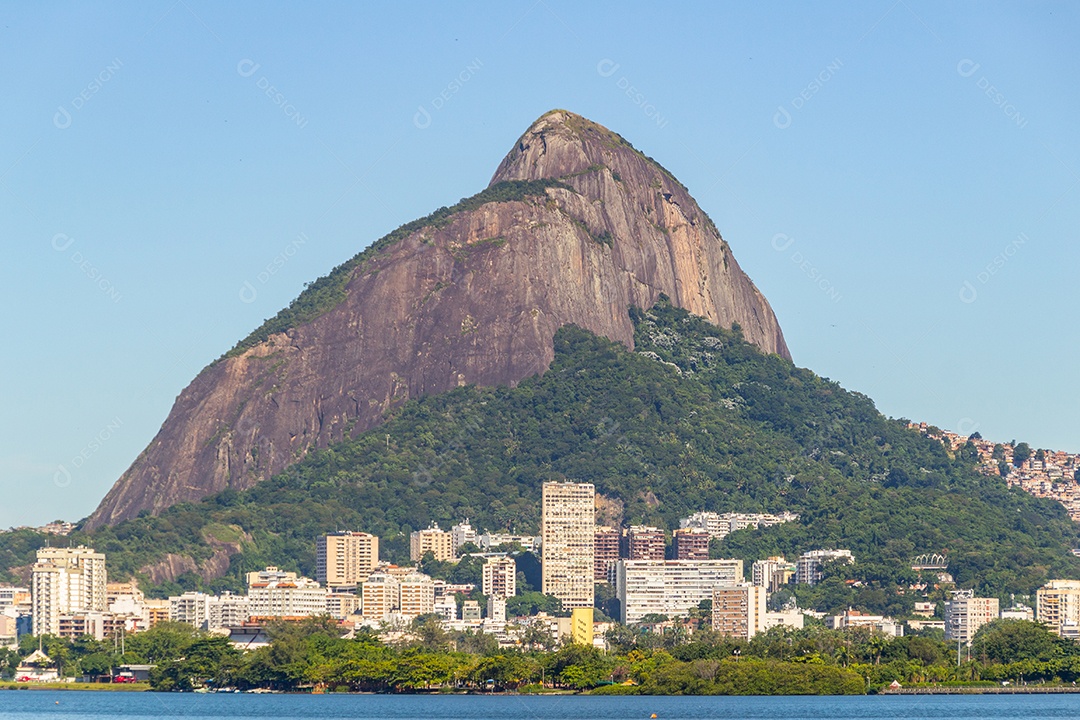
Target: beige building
(1057, 605)
(965, 614)
(567, 527)
(381, 596)
(669, 587)
(738, 610)
(66, 581)
(417, 593)
(340, 605)
(155, 611)
(345, 559)
(438, 542)
(9, 637)
(500, 577)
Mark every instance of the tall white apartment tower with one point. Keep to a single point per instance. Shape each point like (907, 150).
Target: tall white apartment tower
(567, 528)
(66, 581)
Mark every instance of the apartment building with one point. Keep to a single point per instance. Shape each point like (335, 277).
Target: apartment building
(669, 587)
(438, 542)
(644, 542)
(417, 595)
(192, 608)
(738, 610)
(1057, 605)
(381, 596)
(772, 573)
(66, 581)
(965, 614)
(568, 527)
(345, 559)
(287, 598)
(690, 544)
(500, 577)
(459, 535)
(605, 551)
(811, 564)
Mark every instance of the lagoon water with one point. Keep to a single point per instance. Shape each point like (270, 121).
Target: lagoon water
(76, 705)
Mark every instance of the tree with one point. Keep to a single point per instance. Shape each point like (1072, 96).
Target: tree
(429, 633)
(531, 603)
(537, 636)
(1004, 641)
(1021, 453)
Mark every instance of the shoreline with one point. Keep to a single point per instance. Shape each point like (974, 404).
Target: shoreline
(978, 690)
(94, 687)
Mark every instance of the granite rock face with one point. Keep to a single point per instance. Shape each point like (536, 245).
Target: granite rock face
(476, 298)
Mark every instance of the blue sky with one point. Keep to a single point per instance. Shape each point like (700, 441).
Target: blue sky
(899, 178)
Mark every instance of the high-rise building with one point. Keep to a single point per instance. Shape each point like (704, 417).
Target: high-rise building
(738, 610)
(438, 542)
(811, 564)
(381, 596)
(772, 573)
(345, 559)
(66, 581)
(459, 535)
(500, 577)
(645, 543)
(690, 544)
(567, 529)
(1057, 605)
(192, 608)
(605, 551)
(496, 608)
(965, 614)
(669, 587)
(417, 595)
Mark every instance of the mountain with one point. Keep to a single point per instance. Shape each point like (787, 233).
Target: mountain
(575, 227)
(695, 418)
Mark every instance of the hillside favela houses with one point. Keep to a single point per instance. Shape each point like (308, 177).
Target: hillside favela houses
(655, 578)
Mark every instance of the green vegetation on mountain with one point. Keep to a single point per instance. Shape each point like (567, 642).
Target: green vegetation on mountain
(694, 419)
(328, 291)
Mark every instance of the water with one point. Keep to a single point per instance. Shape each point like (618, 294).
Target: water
(75, 705)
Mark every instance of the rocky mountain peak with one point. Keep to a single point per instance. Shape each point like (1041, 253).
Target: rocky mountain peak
(576, 227)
